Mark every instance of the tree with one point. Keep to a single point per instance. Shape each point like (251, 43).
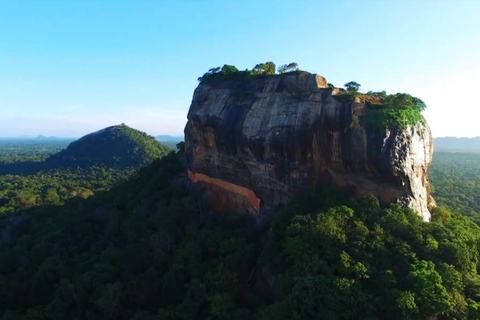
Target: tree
(218, 71)
(406, 101)
(211, 72)
(352, 86)
(227, 69)
(430, 294)
(293, 66)
(264, 68)
(214, 70)
(282, 69)
(381, 94)
(51, 196)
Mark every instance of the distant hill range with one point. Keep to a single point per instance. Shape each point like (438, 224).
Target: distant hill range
(170, 141)
(42, 137)
(116, 146)
(454, 143)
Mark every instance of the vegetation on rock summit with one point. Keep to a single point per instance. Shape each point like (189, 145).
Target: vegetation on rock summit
(386, 110)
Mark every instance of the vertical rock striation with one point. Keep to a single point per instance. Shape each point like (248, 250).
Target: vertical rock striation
(257, 142)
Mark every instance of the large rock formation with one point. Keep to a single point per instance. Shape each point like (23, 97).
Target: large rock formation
(257, 142)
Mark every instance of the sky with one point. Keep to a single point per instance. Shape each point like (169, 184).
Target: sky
(68, 68)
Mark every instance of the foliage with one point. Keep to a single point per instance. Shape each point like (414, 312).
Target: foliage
(381, 94)
(15, 150)
(231, 72)
(400, 109)
(405, 101)
(346, 96)
(228, 69)
(352, 86)
(293, 66)
(150, 249)
(384, 110)
(455, 178)
(55, 186)
(225, 72)
(264, 68)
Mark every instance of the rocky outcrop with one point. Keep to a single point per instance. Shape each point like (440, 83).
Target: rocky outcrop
(257, 142)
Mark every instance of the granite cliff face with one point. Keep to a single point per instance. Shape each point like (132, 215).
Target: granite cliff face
(256, 143)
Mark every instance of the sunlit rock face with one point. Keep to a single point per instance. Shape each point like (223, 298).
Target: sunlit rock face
(256, 143)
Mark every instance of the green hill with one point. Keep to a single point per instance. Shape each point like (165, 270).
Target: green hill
(116, 147)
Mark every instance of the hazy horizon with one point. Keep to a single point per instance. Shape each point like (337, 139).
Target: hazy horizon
(37, 136)
(71, 68)
(157, 135)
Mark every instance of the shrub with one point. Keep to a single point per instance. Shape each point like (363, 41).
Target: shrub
(399, 109)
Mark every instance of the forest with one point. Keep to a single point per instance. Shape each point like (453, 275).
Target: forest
(17, 150)
(455, 177)
(147, 248)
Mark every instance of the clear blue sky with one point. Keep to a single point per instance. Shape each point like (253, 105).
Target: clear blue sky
(71, 67)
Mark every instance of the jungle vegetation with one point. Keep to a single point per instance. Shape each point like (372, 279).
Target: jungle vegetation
(149, 248)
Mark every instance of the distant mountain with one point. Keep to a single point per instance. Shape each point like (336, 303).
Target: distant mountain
(454, 143)
(167, 138)
(170, 141)
(42, 137)
(117, 146)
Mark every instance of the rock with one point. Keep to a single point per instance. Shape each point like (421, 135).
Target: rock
(256, 143)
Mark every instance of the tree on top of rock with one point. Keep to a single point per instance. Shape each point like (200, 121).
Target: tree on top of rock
(228, 69)
(264, 68)
(406, 101)
(293, 66)
(381, 94)
(214, 72)
(352, 86)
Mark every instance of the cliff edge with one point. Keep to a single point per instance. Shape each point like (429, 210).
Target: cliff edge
(256, 142)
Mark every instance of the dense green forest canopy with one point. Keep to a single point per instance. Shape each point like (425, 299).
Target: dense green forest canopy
(55, 186)
(456, 182)
(150, 249)
(16, 150)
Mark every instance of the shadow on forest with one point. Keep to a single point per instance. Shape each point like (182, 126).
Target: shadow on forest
(22, 167)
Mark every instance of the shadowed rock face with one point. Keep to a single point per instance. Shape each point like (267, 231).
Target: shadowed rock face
(256, 143)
